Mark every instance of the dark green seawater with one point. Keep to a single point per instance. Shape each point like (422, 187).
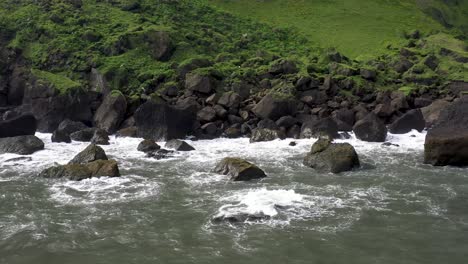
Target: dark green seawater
(393, 210)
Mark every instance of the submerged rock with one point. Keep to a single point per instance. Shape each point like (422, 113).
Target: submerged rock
(148, 145)
(160, 154)
(89, 154)
(22, 145)
(77, 172)
(332, 157)
(265, 134)
(239, 169)
(241, 218)
(178, 145)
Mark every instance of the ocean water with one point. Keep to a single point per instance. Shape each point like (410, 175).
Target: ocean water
(394, 209)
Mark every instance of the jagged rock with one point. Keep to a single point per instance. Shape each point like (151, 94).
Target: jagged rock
(332, 157)
(160, 44)
(163, 122)
(274, 108)
(265, 134)
(91, 153)
(220, 111)
(412, 119)
(78, 172)
(178, 145)
(111, 113)
(239, 169)
(230, 100)
(325, 127)
(22, 145)
(207, 114)
(68, 126)
(100, 137)
(148, 145)
(371, 129)
(60, 137)
(432, 112)
(84, 135)
(447, 142)
(198, 83)
(18, 126)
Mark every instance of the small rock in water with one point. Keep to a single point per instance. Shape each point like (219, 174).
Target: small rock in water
(332, 157)
(389, 144)
(239, 169)
(148, 145)
(265, 134)
(292, 143)
(241, 218)
(178, 145)
(160, 154)
(24, 159)
(89, 154)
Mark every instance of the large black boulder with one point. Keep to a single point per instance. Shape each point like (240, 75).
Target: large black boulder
(111, 113)
(23, 145)
(447, 142)
(273, 108)
(412, 119)
(370, 129)
(162, 122)
(68, 126)
(331, 157)
(18, 126)
(239, 169)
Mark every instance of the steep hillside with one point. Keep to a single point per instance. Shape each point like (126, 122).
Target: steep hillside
(147, 47)
(358, 28)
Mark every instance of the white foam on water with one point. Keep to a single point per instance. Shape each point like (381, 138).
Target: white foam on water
(103, 190)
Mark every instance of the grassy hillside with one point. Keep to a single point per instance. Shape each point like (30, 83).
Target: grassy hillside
(358, 28)
(145, 46)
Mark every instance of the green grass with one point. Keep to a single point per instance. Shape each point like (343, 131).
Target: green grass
(358, 28)
(60, 82)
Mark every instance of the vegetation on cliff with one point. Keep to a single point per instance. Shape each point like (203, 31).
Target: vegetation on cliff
(148, 46)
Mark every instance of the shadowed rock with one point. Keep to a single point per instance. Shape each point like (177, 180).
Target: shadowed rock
(239, 169)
